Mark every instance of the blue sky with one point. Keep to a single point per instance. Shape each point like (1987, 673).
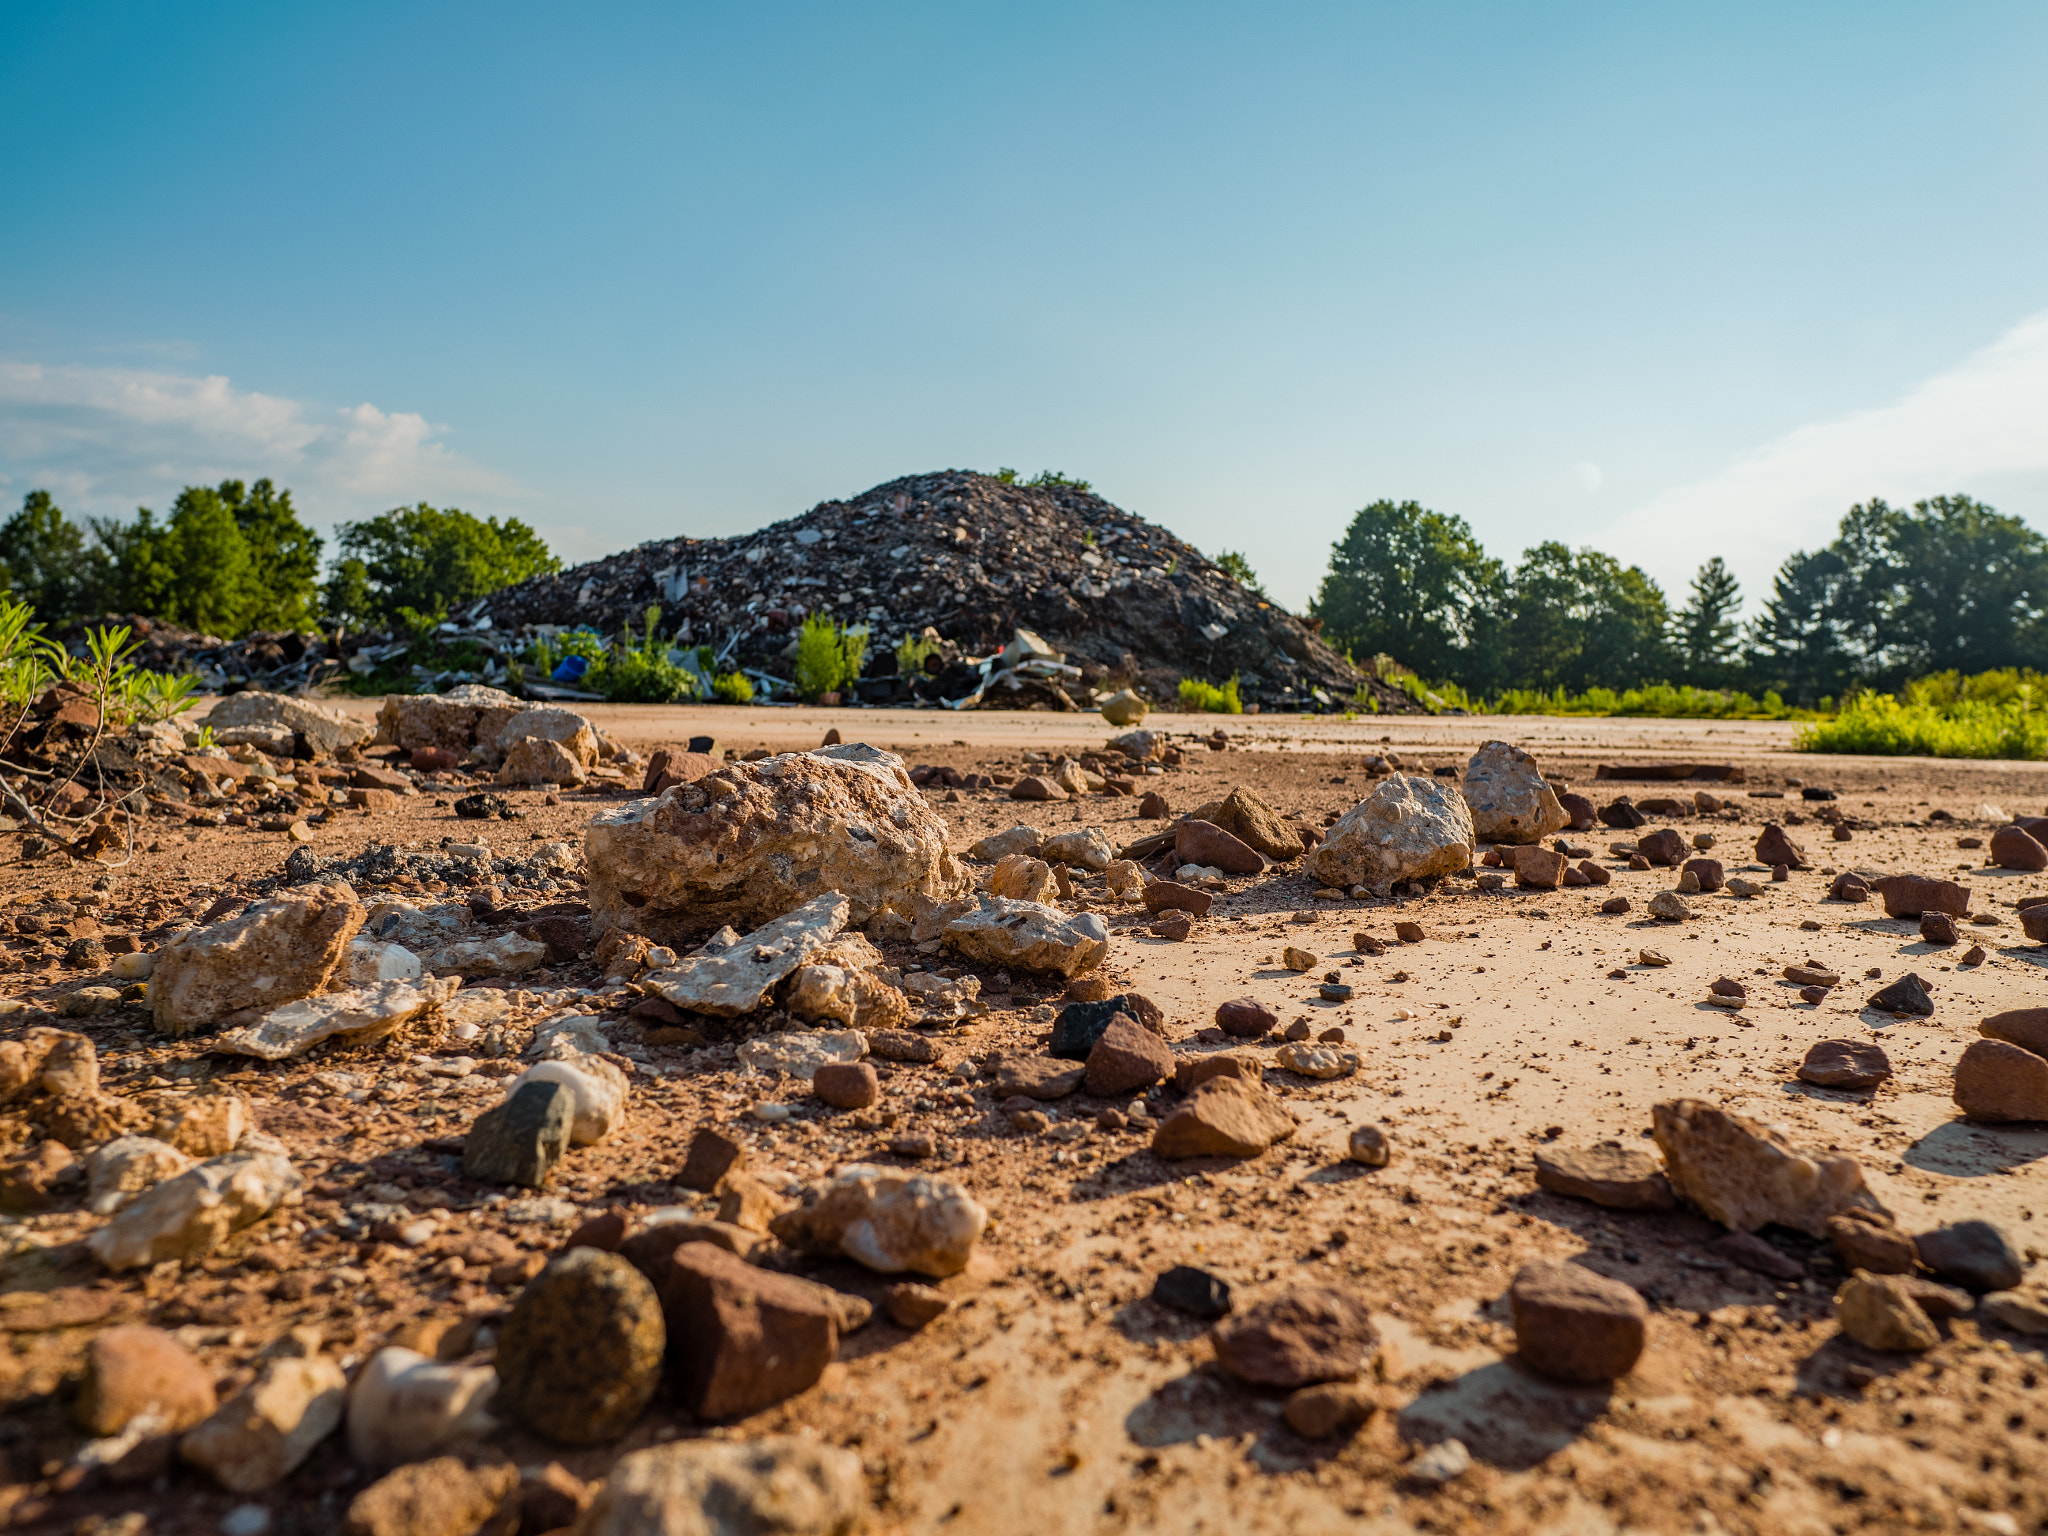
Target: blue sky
(1674, 283)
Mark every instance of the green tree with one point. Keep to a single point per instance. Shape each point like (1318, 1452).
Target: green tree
(196, 570)
(284, 555)
(1796, 644)
(415, 563)
(1416, 585)
(45, 562)
(1705, 637)
(1239, 570)
(1583, 620)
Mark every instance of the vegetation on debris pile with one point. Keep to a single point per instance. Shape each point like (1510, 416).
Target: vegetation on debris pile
(1210, 699)
(1996, 714)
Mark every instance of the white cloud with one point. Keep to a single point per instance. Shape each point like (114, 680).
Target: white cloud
(105, 440)
(1980, 428)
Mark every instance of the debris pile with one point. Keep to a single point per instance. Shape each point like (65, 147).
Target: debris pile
(972, 560)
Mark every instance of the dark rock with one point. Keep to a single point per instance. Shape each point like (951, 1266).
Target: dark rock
(1937, 928)
(1814, 995)
(2024, 1027)
(1856, 1064)
(1168, 895)
(1193, 1291)
(2034, 923)
(1536, 868)
(1202, 842)
(581, 1353)
(441, 1497)
(1329, 1409)
(1580, 809)
(1246, 1018)
(1301, 1336)
(1175, 926)
(1127, 1058)
(1574, 1325)
(1080, 1025)
(1864, 1240)
(912, 1304)
(1622, 814)
(1911, 895)
(1976, 1254)
(1727, 986)
(1708, 872)
(1032, 787)
(2001, 1083)
(1774, 847)
(483, 807)
(743, 1338)
(1225, 1117)
(711, 1156)
(1814, 792)
(1848, 886)
(1153, 807)
(606, 1231)
(1908, 994)
(520, 1140)
(130, 1370)
(1609, 1174)
(1614, 906)
(1664, 848)
(2012, 848)
(1036, 1077)
(847, 1084)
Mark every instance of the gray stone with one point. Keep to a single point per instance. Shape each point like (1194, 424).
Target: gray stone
(1024, 935)
(1977, 1254)
(358, 1016)
(326, 730)
(521, 1140)
(1001, 845)
(1408, 828)
(732, 981)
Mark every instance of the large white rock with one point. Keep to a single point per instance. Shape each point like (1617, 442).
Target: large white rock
(887, 1219)
(1085, 847)
(773, 1486)
(260, 1435)
(232, 972)
(1409, 828)
(119, 1170)
(750, 841)
(359, 1015)
(598, 1090)
(1509, 801)
(1027, 935)
(453, 720)
(732, 978)
(405, 1407)
(840, 994)
(367, 961)
(547, 722)
(506, 955)
(326, 729)
(192, 1214)
(799, 1053)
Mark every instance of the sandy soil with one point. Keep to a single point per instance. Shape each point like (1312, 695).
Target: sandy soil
(1056, 1395)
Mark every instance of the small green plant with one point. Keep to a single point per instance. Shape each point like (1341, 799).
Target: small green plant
(1880, 725)
(1209, 699)
(1239, 570)
(732, 688)
(829, 656)
(641, 672)
(1007, 476)
(1054, 477)
(206, 738)
(911, 652)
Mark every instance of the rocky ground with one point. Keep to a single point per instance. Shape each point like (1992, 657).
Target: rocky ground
(1026, 1378)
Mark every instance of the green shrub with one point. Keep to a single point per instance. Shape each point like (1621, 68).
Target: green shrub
(911, 652)
(1878, 724)
(732, 688)
(1209, 699)
(1659, 701)
(829, 656)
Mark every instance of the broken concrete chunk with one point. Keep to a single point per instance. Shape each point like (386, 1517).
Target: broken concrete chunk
(1001, 845)
(123, 1168)
(1027, 936)
(1508, 797)
(730, 981)
(192, 1214)
(888, 1220)
(365, 1014)
(1408, 828)
(259, 1436)
(1085, 847)
(799, 1053)
(277, 951)
(752, 841)
(506, 955)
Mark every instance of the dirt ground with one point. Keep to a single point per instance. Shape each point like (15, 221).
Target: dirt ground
(1055, 1395)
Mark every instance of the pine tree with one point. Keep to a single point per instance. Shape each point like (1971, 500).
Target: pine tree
(1704, 633)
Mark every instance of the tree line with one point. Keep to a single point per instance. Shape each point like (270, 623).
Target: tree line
(1948, 584)
(236, 557)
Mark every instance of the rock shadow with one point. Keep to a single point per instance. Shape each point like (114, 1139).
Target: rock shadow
(1965, 1150)
(1507, 1415)
(1203, 1402)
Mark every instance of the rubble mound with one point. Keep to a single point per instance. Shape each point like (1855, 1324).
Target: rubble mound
(975, 559)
